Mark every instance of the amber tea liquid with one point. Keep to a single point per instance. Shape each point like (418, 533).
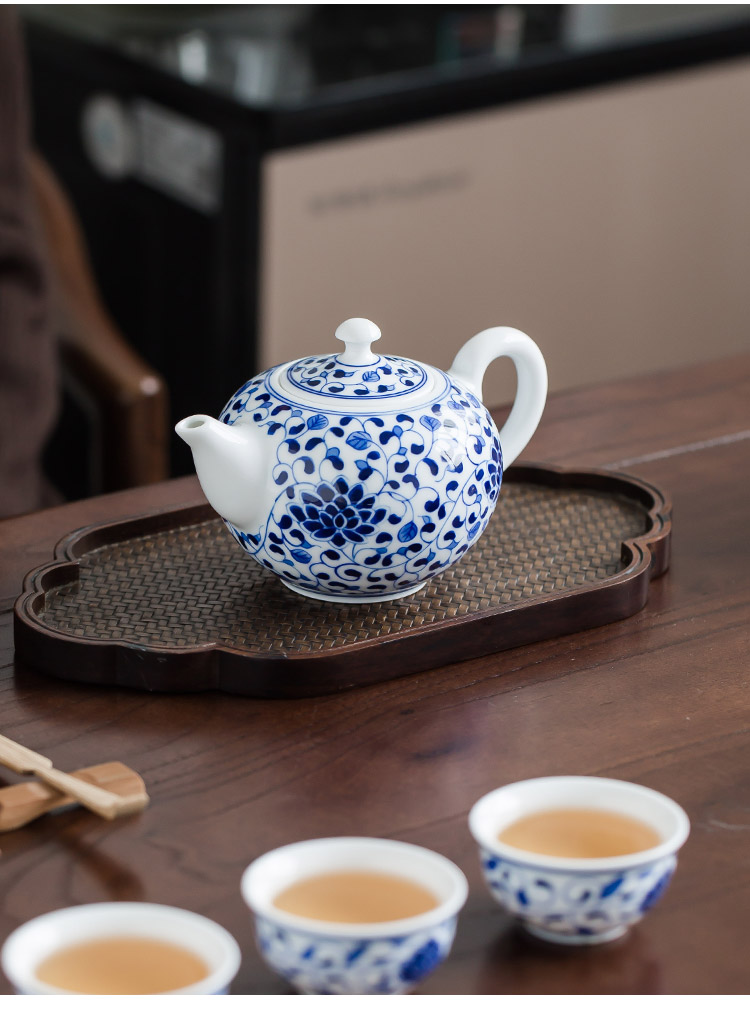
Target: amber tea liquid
(356, 896)
(580, 833)
(122, 965)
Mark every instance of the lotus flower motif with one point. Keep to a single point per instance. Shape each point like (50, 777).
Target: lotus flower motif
(337, 513)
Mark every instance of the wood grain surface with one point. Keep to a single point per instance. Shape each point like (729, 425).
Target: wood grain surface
(662, 698)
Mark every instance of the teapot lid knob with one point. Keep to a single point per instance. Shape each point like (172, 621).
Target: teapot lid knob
(358, 334)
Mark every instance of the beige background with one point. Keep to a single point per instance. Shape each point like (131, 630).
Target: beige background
(612, 225)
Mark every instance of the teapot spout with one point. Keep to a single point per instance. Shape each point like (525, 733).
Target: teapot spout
(231, 463)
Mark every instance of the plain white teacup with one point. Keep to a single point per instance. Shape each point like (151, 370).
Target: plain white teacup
(568, 900)
(322, 957)
(36, 940)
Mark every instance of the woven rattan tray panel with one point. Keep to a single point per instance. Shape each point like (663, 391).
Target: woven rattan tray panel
(170, 602)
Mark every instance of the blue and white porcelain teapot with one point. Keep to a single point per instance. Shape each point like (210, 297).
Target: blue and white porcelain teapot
(357, 478)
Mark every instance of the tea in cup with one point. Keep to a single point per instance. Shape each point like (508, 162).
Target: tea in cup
(577, 859)
(354, 915)
(121, 948)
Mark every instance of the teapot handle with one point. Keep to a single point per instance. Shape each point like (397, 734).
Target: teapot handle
(476, 355)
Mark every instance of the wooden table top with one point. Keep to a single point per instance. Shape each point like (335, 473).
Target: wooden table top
(662, 699)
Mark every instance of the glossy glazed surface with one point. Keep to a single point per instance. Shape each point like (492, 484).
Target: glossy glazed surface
(370, 502)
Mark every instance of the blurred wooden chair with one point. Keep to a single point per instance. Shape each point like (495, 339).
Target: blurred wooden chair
(123, 399)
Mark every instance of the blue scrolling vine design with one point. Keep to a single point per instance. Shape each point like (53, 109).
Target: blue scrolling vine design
(369, 503)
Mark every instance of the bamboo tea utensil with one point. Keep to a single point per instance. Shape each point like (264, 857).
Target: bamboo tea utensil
(26, 801)
(102, 801)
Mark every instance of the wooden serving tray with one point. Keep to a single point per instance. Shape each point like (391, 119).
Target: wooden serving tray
(169, 602)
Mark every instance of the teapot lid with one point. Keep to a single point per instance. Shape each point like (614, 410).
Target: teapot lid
(357, 373)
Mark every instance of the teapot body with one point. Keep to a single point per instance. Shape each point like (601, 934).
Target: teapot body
(356, 478)
(368, 504)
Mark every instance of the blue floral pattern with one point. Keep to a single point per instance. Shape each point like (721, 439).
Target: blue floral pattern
(337, 513)
(371, 504)
(386, 377)
(324, 964)
(576, 906)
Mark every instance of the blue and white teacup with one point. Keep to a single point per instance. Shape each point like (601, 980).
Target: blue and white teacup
(577, 901)
(322, 957)
(33, 942)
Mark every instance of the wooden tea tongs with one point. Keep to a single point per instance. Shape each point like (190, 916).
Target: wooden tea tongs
(102, 801)
(24, 802)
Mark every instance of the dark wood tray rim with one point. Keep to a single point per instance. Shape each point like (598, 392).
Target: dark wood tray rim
(218, 666)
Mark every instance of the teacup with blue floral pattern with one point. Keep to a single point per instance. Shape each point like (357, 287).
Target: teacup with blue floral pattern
(577, 901)
(34, 941)
(321, 957)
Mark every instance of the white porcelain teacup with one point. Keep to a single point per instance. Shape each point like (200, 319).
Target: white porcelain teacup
(584, 900)
(34, 942)
(322, 957)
